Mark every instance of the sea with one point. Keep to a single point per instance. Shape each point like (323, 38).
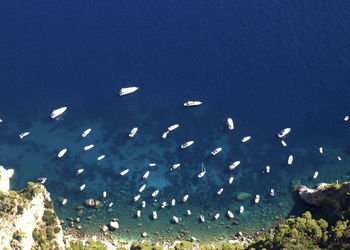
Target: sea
(266, 64)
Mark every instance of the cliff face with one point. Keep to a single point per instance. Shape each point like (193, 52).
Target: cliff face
(27, 218)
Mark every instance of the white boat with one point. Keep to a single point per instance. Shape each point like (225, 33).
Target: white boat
(163, 204)
(137, 197)
(89, 147)
(284, 143)
(189, 212)
(173, 202)
(230, 124)
(138, 213)
(230, 214)
(61, 153)
(142, 188)
(290, 160)
(86, 132)
(64, 202)
(165, 134)
(143, 204)
(201, 174)
(315, 175)
(192, 103)
(101, 157)
(175, 166)
(24, 134)
(339, 158)
(0, 120)
(346, 118)
(42, 179)
(124, 172)
(201, 217)
(79, 171)
(321, 150)
(133, 132)
(220, 191)
(216, 151)
(172, 127)
(185, 198)
(284, 132)
(154, 215)
(58, 112)
(217, 216)
(104, 194)
(110, 204)
(82, 187)
(272, 192)
(234, 165)
(245, 139)
(154, 194)
(241, 209)
(152, 164)
(145, 176)
(187, 144)
(257, 199)
(230, 181)
(176, 220)
(268, 169)
(128, 90)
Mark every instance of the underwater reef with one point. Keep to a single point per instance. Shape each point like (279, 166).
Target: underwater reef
(28, 221)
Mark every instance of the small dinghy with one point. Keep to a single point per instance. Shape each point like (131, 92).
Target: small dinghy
(315, 175)
(217, 216)
(58, 112)
(165, 134)
(152, 164)
(110, 204)
(284, 132)
(272, 192)
(104, 194)
(173, 127)
(138, 213)
(24, 134)
(164, 204)
(154, 194)
(176, 220)
(234, 165)
(79, 171)
(133, 132)
(137, 197)
(64, 202)
(145, 176)
(202, 219)
(220, 191)
(124, 172)
(346, 118)
(173, 202)
(257, 199)
(175, 166)
(339, 158)
(268, 169)
(189, 212)
(290, 160)
(185, 198)
(187, 144)
(192, 103)
(230, 214)
(128, 90)
(154, 215)
(86, 132)
(241, 209)
(101, 157)
(202, 173)
(245, 139)
(86, 148)
(61, 153)
(216, 151)
(142, 188)
(321, 150)
(82, 187)
(230, 124)
(42, 179)
(284, 143)
(143, 204)
(230, 181)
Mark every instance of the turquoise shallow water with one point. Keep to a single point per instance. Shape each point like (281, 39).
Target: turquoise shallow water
(268, 65)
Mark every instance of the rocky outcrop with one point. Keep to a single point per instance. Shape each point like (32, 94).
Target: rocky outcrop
(330, 197)
(24, 213)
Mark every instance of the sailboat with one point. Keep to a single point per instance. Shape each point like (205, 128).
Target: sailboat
(201, 174)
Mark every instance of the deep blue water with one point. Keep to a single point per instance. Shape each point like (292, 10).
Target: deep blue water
(267, 64)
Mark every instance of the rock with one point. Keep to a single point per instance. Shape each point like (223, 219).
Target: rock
(70, 218)
(98, 204)
(104, 228)
(90, 203)
(144, 234)
(61, 222)
(242, 196)
(77, 220)
(89, 217)
(109, 210)
(80, 212)
(5, 176)
(79, 227)
(113, 225)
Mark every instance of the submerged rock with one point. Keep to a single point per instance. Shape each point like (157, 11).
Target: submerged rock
(90, 202)
(242, 196)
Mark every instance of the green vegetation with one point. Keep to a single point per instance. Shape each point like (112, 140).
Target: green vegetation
(184, 245)
(90, 244)
(144, 246)
(49, 217)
